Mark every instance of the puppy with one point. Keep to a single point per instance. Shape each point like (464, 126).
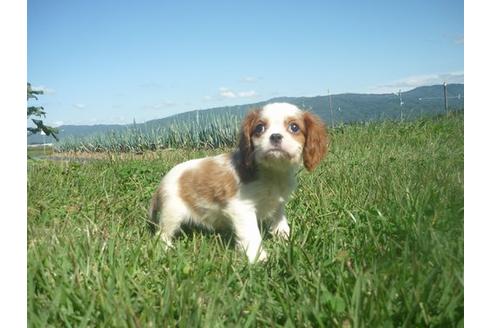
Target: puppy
(247, 187)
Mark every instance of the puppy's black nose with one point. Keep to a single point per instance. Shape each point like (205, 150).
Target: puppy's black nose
(276, 138)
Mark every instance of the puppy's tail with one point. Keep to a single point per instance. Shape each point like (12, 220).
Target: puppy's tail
(155, 209)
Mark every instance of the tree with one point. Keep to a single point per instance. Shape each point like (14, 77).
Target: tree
(39, 112)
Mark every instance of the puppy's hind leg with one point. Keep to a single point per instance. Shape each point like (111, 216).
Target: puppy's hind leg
(162, 218)
(169, 224)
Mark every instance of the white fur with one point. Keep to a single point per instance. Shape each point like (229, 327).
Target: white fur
(261, 200)
(275, 114)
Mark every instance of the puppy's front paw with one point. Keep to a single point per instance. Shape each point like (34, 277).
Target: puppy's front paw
(166, 242)
(262, 256)
(282, 230)
(257, 257)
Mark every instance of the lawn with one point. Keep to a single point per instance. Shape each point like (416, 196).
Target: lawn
(377, 240)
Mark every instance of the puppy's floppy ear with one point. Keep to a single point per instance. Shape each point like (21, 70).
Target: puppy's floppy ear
(316, 143)
(245, 143)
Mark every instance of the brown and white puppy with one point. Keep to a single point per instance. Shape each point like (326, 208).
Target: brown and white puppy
(247, 187)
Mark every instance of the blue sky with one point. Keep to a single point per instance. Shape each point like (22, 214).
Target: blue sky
(113, 61)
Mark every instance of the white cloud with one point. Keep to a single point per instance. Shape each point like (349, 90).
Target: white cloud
(229, 94)
(420, 80)
(249, 79)
(79, 106)
(54, 124)
(247, 94)
(46, 90)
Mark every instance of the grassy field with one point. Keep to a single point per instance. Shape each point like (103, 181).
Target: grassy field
(377, 241)
(39, 151)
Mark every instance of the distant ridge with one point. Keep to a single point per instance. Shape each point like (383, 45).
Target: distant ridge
(347, 108)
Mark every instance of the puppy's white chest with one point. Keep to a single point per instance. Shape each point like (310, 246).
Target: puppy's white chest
(268, 198)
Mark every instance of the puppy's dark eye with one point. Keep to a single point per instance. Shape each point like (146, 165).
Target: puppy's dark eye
(294, 128)
(260, 128)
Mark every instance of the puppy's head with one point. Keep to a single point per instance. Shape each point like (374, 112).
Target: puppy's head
(281, 135)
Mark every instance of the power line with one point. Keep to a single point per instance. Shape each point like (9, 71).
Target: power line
(459, 96)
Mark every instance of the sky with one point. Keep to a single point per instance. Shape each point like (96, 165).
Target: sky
(118, 61)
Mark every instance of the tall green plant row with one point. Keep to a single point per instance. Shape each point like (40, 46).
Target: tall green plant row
(217, 131)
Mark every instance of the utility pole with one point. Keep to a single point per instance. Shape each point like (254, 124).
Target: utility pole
(401, 105)
(331, 110)
(445, 98)
(44, 142)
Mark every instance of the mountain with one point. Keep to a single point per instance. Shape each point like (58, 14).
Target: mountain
(347, 108)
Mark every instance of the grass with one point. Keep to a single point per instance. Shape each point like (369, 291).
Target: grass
(39, 151)
(377, 240)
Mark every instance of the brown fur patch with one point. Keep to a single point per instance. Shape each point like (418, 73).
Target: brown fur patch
(244, 159)
(300, 136)
(155, 208)
(209, 182)
(316, 144)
